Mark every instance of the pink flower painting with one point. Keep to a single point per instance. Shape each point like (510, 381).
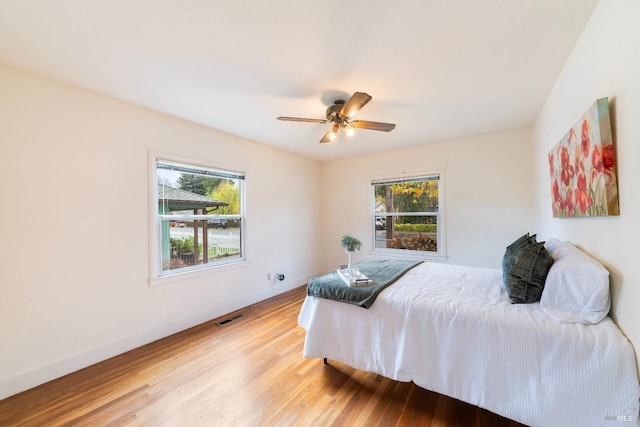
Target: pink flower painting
(582, 167)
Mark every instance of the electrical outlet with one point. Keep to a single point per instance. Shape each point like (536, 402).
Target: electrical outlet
(268, 276)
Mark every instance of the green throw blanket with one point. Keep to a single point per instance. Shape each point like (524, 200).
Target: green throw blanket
(383, 272)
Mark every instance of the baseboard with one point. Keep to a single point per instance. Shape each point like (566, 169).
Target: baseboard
(56, 369)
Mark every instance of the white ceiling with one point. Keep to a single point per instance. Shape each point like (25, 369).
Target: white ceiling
(439, 69)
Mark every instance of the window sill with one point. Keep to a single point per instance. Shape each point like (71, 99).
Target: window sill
(192, 274)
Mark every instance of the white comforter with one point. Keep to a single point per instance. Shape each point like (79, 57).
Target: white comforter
(453, 330)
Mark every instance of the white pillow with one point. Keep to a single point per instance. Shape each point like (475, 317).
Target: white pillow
(577, 286)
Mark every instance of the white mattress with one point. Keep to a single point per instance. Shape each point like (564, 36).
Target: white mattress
(453, 330)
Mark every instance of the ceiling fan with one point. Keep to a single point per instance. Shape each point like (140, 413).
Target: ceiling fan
(341, 114)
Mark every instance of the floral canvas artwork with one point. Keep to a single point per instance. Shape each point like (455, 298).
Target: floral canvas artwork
(583, 167)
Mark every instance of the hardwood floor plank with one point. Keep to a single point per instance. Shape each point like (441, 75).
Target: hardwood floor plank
(249, 372)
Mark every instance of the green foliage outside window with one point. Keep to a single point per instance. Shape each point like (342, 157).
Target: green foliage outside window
(422, 228)
(184, 245)
(221, 189)
(409, 196)
(230, 193)
(199, 184)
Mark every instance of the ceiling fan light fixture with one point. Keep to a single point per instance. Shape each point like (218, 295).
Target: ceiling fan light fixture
(349, 131)
(335, 130)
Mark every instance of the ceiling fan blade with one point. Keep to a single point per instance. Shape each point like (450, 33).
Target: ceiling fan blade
(326, 138)
(364, 124)
(354, 104)
(331, 134)
(298, 119)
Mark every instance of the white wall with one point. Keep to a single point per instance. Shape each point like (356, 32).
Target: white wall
(604, 63)
(74, 215)
(488, 195)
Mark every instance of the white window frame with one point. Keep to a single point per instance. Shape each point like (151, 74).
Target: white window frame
(441, 254)
(156, 275)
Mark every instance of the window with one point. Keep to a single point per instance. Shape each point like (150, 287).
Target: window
(200, 217)
(407, 214)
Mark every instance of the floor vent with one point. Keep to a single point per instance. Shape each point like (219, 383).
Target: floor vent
(229, 320)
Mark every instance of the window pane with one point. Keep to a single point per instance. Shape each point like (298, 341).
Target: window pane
(200, 216)
(416, 233)
(183, 193)
(185, 245)
(406, 213)
(420, 196)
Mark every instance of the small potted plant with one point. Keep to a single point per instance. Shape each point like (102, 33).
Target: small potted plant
(350, 244)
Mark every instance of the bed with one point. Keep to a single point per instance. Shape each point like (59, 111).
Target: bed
(454, 330)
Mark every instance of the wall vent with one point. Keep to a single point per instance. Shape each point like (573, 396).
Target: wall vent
(230, 319)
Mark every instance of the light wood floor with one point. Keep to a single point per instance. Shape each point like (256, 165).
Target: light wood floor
(249, 372)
